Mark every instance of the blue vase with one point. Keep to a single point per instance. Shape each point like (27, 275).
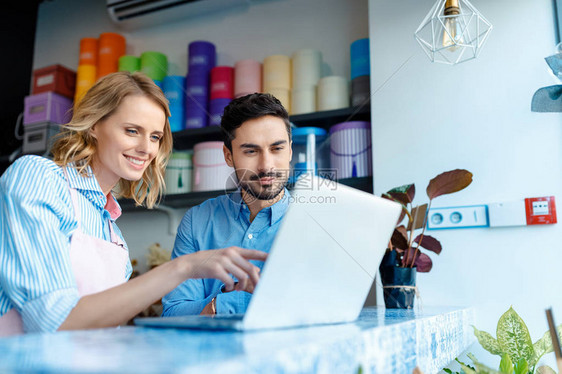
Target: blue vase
(398, 286)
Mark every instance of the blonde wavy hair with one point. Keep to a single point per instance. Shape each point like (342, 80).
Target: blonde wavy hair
(76, 144)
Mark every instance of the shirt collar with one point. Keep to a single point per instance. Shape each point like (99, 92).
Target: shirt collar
(276, 211)
(96, 196)
(279, 208)
(81, 182)
(113, 207)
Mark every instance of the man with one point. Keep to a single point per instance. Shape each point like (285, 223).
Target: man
(257, 145)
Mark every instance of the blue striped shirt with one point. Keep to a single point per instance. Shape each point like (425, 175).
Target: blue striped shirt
(37, 221)
(219, 223)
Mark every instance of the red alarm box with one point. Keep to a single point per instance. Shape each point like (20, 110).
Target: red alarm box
(54, 78)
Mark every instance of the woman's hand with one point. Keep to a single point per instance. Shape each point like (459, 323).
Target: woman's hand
(117, 305)
(220, 263)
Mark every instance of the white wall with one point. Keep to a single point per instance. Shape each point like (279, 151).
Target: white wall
(260, 29)
(430, 118)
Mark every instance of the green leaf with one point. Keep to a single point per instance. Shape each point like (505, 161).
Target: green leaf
(545, 370)
(513, 337)
(448, 182)
(448, 371)
(544, 345)
(522, 367)
(488, 342)
(481, 368)
(506, 366)
(467, 369)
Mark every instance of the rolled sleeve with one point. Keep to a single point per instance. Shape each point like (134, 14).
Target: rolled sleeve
(59, 304)
(37, 221)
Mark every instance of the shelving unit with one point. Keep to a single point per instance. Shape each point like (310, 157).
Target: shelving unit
(328, 118)
(190, 199)
(183, 200)
(186, 139)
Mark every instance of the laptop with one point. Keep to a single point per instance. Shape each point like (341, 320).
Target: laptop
(321, 265)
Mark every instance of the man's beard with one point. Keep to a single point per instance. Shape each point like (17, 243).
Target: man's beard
(261, 192)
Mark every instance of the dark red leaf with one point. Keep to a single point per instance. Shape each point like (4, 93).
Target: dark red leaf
(402, 215)
(409, 256)
(405, 194)
(448, 182)
(399, 238)
(423, 263)
(429, 243)
(411, 192)
(387, 196)
(400, 197)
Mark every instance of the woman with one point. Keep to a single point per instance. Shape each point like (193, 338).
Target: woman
(63, 262)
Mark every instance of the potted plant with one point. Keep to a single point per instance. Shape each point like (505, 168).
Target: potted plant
(404, 258)
(519, 355)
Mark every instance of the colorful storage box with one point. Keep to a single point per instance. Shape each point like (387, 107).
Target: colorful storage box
(178, 173)
(350, 149)
(54, 78)
(47, 107)
(360, 58)
(201, 56)
(38, 138)
(210, 171)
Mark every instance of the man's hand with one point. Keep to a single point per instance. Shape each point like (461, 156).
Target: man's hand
(220, 263)
(249, 287)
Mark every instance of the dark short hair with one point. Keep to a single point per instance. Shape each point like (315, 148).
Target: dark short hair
(248, 107)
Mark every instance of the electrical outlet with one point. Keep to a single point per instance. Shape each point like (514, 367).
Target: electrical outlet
(457, 217)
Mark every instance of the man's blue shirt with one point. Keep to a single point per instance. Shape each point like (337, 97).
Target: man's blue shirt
(220, 223)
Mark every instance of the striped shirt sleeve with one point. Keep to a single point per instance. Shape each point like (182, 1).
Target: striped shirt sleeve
(37, 220)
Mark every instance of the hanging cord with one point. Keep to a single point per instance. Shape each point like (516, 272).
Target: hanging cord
(14, 155)
(17, 128)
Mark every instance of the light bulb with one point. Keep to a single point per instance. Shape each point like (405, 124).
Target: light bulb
(452, 35)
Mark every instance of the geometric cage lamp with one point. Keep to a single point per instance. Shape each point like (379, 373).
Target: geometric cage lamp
(453, 31)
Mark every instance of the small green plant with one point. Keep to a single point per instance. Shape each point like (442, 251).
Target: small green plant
(519, 355)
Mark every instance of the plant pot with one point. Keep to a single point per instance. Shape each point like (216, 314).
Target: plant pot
(398, 286)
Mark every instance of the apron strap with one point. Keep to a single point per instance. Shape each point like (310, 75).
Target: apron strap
(115, 239)
(74, 198)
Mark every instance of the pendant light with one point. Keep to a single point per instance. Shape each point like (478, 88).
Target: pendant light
(453, 31)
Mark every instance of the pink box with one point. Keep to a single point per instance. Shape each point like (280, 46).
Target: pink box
(47, 107)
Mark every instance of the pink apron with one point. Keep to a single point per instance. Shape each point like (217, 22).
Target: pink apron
(97, 265)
